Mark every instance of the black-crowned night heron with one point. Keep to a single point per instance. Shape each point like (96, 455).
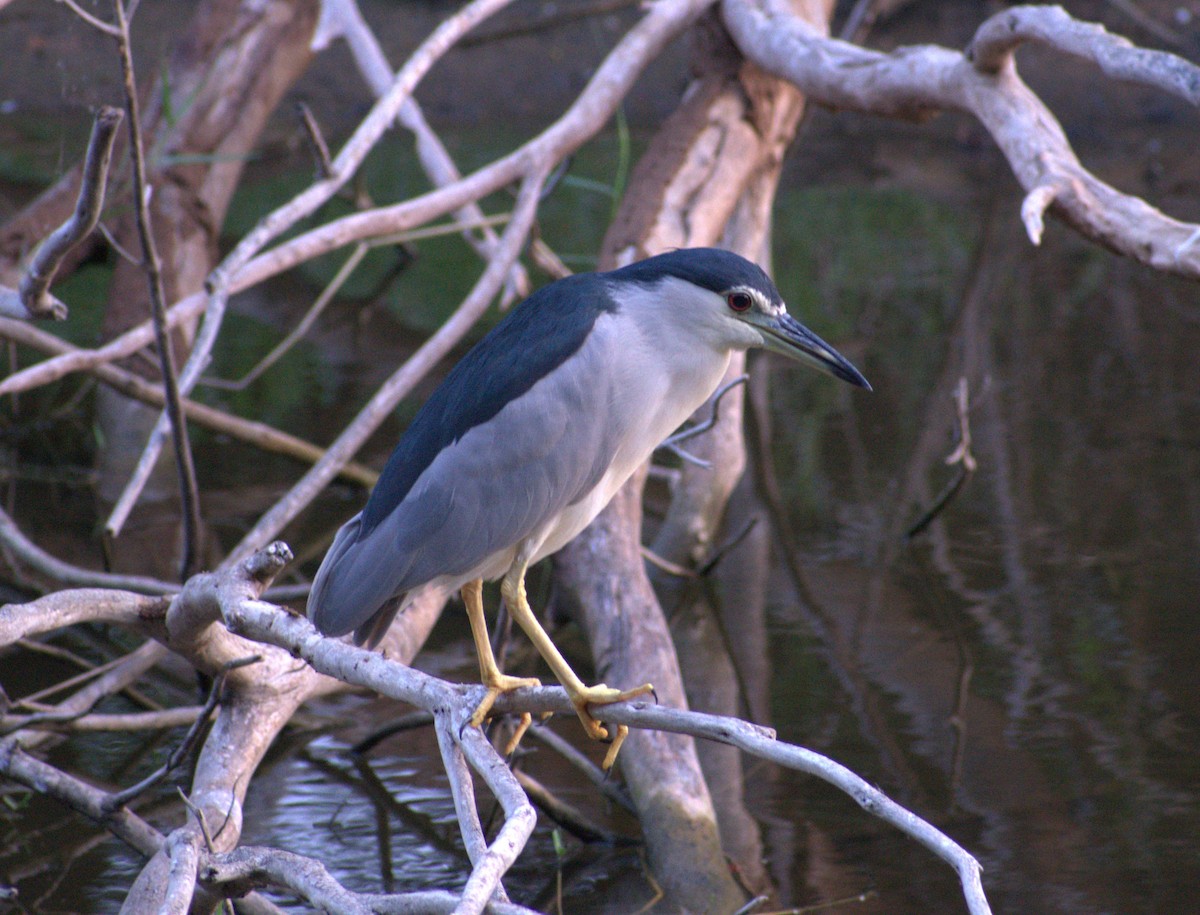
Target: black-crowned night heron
(535, 430)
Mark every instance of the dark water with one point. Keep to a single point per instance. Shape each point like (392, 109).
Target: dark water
(1023, 673)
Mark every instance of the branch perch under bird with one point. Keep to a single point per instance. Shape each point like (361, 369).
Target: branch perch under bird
(357, 666)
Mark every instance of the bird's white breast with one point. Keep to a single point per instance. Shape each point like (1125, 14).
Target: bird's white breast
(654, 384)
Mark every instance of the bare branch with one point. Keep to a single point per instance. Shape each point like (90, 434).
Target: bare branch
(519, 815)
(916, 81)
(316, 140)
(183, 848)
(567, 815)
(595, 104)
(131, 829)
(184, 747)
(67, 608)
(268, 867)
(998, 38)
(344, 165)
(402, 381)
(359, 667)
(53, 567)
(462, 791)
(672, 444)
(163, 720)
(33, 298)
(81, 360)
(962, 456)
(99, 24)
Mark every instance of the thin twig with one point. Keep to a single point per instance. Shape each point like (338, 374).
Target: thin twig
(342, 19)
(672, 443)
(402, 381)
(316, 140)
(223, 281)
(189, 491)
(404, 723)
(130, 384)
(165, 719)
(106, 27)
(555, 18)
(614, 791)
(68, 574)
(961, 455)
(297, 332)
(335, 284)
(567, 816)
(72, 359)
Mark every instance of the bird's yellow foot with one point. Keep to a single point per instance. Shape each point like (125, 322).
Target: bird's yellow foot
(604, 695)
(502, 683)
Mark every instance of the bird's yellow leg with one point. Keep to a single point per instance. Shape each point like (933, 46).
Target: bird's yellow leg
(513, 589)
(489, 672)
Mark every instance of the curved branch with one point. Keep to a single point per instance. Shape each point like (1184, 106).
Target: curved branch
(916, 81)
(998, 38)
(53, 567)
(33, 293)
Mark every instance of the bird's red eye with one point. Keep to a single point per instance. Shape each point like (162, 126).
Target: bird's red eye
(739, 301)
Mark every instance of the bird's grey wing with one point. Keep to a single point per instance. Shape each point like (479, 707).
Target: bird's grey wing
(503, 480)
(480, 495)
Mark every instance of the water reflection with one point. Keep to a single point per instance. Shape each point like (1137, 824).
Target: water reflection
(1022, 673)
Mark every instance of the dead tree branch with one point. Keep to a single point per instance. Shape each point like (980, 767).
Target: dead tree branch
(917, 81)
(32, 298)
(261, 621)
(342, 19)
(343, 167)
(132, 385)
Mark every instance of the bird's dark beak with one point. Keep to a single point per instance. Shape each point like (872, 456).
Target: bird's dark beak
(788, 336)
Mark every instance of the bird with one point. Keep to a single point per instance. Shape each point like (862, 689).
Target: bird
(534, 430)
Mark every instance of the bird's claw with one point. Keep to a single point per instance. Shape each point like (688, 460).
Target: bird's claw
(603, 694)
(499, 685)
(515, 740)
